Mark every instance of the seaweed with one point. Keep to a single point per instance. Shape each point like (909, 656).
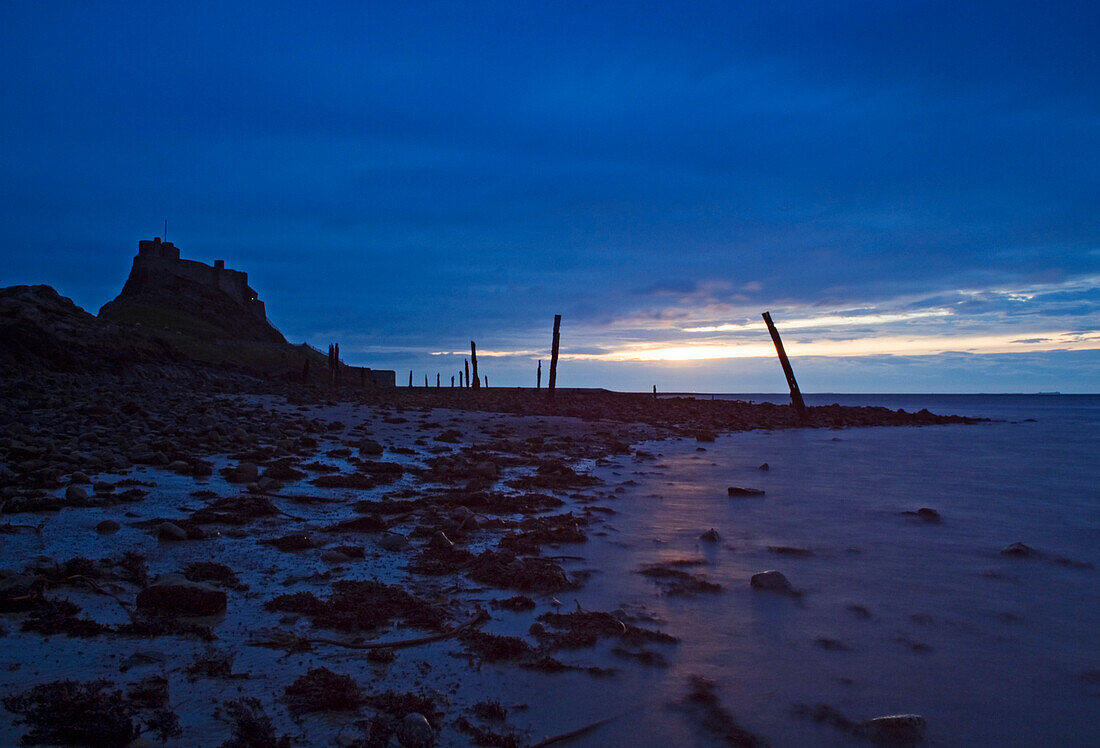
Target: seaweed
(321, 690)
(251, 727)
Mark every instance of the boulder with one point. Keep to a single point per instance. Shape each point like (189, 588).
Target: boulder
(335, 557)
(1019, 550)
(739, 491)
(415, 732)
(369, 447)
(392, 541)
(895, 729)
(771, 581)
(171, 532)
(928, 515)
(175, 595)
(107, 526)
(79, 477)
(711, 536)
(75, 494)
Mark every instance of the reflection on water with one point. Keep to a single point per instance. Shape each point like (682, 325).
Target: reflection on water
(898, 614)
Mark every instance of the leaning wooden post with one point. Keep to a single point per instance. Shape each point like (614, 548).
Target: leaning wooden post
(554, 357)
(473, 361)
(796, 396)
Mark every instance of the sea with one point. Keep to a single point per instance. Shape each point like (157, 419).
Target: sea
(896, 615)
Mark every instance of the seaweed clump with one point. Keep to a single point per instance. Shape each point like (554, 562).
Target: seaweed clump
(251, 727)
(321, 690)
(361, 606)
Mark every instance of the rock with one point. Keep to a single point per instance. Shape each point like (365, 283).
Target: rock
(895, 729)
(392, 541)
(174, 594)
(704, 436)
(487, 470)
(75, 494)
(739, 491)
(1019, 550)
(335, 557)
(771, 581)
(108, 526)
(415, 732)
(179, 466)
(171, 532)
(711, 536)
(928, 515)
(103, 488)
(764, 466)
(79, 477)
(440, 542)
(370, 447)
(245, 472)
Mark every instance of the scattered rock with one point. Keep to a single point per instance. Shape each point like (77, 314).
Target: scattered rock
(711, 536)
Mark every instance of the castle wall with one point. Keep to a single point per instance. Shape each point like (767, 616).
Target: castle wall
(156, 258)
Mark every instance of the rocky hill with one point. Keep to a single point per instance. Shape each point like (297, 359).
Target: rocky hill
(41, 329)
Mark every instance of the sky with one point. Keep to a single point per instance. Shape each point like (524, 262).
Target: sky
(911, 188)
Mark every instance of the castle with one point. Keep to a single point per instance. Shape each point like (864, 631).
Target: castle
(159, 260)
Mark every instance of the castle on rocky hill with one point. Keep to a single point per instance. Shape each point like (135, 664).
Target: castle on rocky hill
(158, 260)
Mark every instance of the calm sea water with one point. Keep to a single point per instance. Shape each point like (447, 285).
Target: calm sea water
(991, 650)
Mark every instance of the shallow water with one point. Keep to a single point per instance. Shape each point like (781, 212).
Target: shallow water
(991, 650)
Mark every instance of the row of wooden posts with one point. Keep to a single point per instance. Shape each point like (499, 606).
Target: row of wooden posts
(475, 382)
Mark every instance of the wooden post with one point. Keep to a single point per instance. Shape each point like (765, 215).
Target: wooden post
(796, 396)
(410, 379)
(336, 363)
(452, 381)
(473, 360)
(437, 380)
(466, 363)
(538, 377)
(425, 380)
(554, 356)
(654, 392)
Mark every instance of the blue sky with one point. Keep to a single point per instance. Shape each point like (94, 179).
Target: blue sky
(910, 187)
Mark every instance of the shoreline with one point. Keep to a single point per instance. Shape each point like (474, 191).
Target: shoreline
(289, 511)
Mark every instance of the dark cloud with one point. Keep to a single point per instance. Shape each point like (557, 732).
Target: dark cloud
(423, 173)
